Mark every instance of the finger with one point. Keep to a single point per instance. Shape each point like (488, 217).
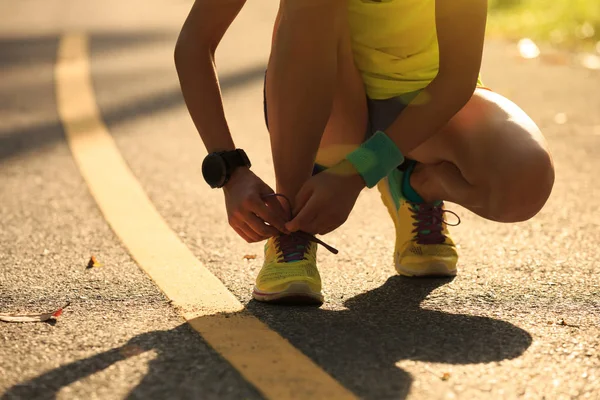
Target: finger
(249, 232)
(259, 227)
(302, 198)
(259, 208)
(274, 201)
(255, 237)
(329, 223)
(312, 227)
(242, 234)
(324, 223)
(303, 219)
(274, 204)
(328, 229)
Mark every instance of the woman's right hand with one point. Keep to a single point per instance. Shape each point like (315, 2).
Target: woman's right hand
(253, 215)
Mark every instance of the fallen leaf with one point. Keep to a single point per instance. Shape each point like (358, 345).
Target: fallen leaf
(33, 317)
(445, 376)
(564, 323)
(93, 263)
(250, 257)
(528, 49)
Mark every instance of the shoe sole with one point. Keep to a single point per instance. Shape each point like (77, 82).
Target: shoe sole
(297, 293)
(431, 270)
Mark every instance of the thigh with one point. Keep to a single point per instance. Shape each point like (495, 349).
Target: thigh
(490, 137)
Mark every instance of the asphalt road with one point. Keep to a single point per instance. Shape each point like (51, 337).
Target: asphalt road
(521, 320)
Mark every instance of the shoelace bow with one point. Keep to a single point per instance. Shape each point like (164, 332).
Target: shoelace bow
(294, 246)
(428, 225)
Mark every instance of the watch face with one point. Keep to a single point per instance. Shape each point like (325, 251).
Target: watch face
(214, 170)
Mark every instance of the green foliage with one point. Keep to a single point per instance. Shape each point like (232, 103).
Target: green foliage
(569, 23)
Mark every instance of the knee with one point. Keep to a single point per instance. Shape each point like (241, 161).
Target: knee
(524, 191)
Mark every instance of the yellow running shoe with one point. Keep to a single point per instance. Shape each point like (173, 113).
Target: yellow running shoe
(289, 273)
(423, 243)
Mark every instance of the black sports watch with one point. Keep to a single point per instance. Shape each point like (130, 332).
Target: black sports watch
(218, 167)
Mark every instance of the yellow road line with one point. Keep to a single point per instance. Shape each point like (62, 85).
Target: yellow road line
(268, 361)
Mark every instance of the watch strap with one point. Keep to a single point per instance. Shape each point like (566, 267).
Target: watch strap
(235, 158)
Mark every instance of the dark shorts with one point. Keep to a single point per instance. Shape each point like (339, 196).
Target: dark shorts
(382, 113)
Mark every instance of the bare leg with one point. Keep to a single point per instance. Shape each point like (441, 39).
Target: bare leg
(300, 87)
(490, 158)
(347, 125)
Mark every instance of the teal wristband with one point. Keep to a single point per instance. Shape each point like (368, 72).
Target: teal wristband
(376, 158)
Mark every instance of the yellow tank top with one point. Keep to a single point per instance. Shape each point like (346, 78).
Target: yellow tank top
(395, 45)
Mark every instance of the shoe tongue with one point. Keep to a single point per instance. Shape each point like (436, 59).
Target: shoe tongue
(434, 204)
(295, 245)
(293, 240)
(292, 247)
(428, 210)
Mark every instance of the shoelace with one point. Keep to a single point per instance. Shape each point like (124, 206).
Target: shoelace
(428, 222)
(294, 245)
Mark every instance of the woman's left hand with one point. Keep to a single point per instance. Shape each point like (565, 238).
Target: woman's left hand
(325, 201)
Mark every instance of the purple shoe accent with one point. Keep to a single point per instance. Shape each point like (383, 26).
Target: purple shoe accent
(428, 222)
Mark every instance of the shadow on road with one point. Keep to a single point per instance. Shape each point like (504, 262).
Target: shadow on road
(39, 92)
(359, 346)
(185, 367)
(23, 51)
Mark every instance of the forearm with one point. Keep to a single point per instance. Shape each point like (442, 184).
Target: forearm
(430, 111)
(202, 95)
(460, 28)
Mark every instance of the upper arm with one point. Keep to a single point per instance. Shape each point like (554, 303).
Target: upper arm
(208, 21)
(461, 30)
